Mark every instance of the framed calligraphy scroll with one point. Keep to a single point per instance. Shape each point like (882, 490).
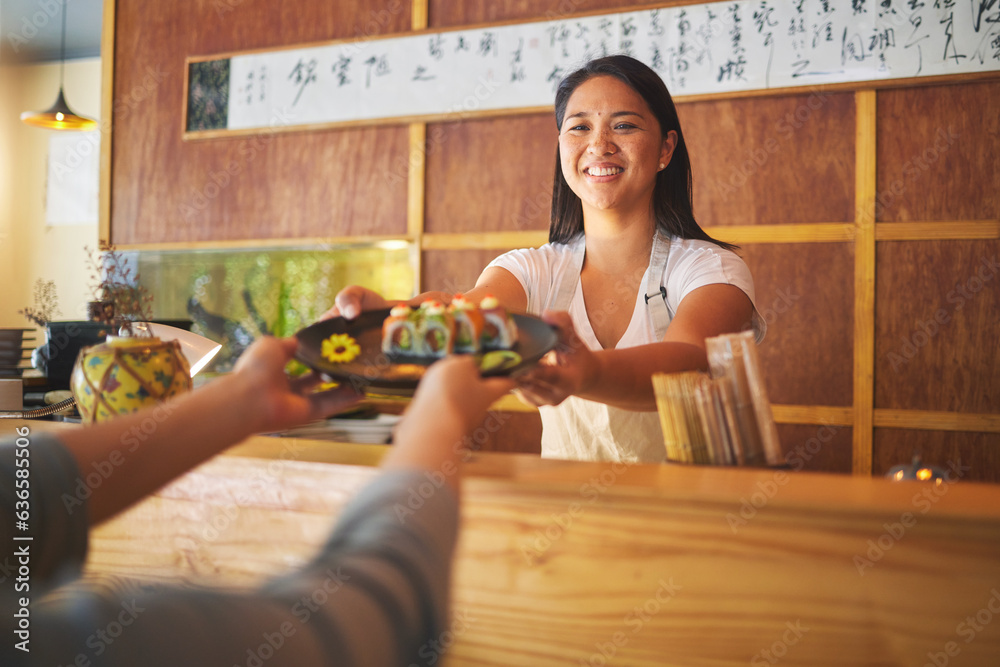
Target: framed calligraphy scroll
(712, 48)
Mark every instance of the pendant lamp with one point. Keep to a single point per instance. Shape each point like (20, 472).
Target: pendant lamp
(59, 116)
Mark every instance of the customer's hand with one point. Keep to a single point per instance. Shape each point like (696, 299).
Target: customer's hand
(569, 369)
(449, 405)
(454, 387)
(353, 299)
(276, 401)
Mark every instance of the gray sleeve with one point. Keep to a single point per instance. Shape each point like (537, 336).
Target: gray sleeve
(376, 594)
(39, 488)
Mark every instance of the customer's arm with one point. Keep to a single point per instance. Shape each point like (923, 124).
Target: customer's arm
(375, 595)
(147, 449)
(53, 486)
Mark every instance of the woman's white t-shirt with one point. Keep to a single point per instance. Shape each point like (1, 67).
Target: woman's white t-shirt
(587, 430)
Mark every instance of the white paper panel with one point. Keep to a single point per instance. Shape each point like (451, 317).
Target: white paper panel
(74, 177)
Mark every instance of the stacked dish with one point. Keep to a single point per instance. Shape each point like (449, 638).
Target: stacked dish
(376, 431)
(14, 352)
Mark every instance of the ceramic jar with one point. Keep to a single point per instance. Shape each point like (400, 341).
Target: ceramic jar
(123, 375)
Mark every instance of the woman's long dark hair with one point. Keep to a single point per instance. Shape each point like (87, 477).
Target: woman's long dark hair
(672, 192)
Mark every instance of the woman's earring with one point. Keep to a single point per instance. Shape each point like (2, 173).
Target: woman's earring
(662, 166)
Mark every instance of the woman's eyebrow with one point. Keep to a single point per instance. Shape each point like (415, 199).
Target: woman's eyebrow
(615, 114)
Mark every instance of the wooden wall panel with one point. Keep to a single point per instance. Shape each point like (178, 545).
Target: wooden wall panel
(817, 448)
(454, 270)
(804, 293)
(781, 160)
(939, 153)
(979, 451)
(937, 326)
(333, 183)
(514, 432)
(490, 175)
(772, 160)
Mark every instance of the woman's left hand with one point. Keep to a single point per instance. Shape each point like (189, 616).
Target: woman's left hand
(569, 369)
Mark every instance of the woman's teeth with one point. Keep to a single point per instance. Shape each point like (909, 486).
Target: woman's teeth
(604, 171)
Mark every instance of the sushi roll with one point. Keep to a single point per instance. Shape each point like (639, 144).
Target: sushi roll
(436, 327)
(499, 330)
(399, 332)
(469, 324)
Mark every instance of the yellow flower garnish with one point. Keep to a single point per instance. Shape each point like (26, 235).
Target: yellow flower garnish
(340, 348)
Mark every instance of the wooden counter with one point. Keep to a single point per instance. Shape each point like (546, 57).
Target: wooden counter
(590, 564)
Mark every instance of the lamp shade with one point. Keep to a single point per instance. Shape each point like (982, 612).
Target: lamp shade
(58, 117)
(198, 350)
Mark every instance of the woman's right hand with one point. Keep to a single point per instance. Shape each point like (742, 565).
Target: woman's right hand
(353, 299)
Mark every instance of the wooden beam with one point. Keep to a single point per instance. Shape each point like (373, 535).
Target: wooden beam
(864, 281)
(416, 182)
(843, 86)
(783, 414)
(107, 118)
(419, 15)
(826, 232)
(924, 420)
(927, 420)
(452, 116)
(823, 232)
(304, 243)
(485, 240)
(813, 414)
(934, 231)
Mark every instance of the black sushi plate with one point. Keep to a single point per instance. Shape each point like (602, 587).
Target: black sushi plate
(373, 371)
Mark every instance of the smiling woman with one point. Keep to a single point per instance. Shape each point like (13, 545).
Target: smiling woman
(630, 281)
(636, 93)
